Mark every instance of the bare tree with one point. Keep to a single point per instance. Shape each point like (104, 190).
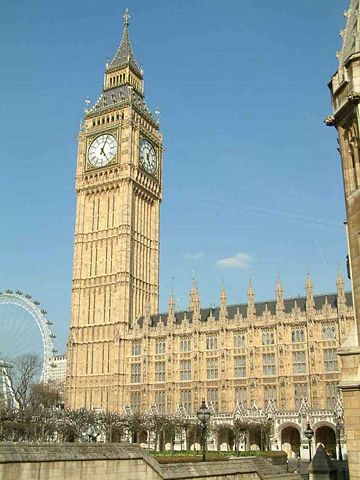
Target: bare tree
(113, 426)
(23, 377)
(134, 424)
(72, 425)
(45, 395)
(241, 428)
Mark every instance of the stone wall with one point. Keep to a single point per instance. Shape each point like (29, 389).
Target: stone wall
(76, 461)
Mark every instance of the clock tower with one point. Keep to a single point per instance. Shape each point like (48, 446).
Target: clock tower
(116, 247)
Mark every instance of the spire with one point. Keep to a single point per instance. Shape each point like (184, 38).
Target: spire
(340, 287)
(279, 297)
(124, 56)
(296, 309)
(171, 306)
(310, 304)
(251, 301)
(223, 303)
(123, 82)
(194, 298)
(351, 34)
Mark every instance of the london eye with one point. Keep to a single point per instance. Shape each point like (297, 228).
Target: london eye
(25, 329)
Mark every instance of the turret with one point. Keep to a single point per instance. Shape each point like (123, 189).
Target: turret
(223, 303)
(171, 307)
(310, 303)
(251, 312)
(340, 287)
(194, 299)
(147, 311)
(279, 297)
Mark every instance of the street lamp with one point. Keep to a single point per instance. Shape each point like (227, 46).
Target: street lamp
(309, 433)
(203, 415)
(339, 423)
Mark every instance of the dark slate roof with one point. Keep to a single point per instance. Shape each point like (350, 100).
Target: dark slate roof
(289, 304)
(118, 96)
(124, 55)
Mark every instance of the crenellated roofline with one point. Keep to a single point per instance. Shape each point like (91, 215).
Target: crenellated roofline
(240, 309)
(279, 307)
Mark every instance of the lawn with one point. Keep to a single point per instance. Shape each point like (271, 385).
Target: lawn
(185, 457)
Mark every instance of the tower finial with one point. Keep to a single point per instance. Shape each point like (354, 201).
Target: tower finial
(126, 17)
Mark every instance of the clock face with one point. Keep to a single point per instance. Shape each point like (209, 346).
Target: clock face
(148, 158)
(102, 150)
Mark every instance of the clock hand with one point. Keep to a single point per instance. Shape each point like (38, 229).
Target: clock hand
(103, 152)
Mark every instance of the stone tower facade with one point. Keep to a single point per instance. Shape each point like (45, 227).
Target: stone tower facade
(116, 249)
(345, 92)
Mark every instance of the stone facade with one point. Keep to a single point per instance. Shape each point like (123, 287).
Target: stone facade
(345, 91)
(253, 361)
(276, 352)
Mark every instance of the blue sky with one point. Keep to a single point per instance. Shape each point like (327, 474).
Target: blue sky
(252, 178)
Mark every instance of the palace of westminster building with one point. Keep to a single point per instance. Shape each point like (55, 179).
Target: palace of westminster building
(275, 358)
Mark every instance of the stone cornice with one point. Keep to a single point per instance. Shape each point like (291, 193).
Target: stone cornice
(345, 351)
(329, 120)
(349, 387)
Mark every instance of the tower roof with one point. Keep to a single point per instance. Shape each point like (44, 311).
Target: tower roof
(124, 55)
(351, 33)
(119, 96)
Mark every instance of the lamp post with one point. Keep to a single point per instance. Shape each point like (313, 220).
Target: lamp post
(309, 433)
(339, 423)
(203, 415)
